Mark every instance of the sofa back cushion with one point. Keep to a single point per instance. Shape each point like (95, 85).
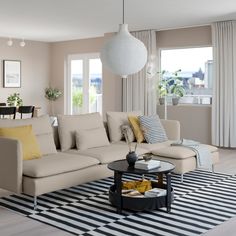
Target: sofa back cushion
(91, 138)
(115, 120)
(69, 124)
(42, 129)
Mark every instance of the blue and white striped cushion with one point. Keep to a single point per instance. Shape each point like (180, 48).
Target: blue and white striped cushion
(153, 130)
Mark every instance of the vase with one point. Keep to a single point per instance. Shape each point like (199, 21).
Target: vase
(131, 158)
(162, 101)
(175, 101)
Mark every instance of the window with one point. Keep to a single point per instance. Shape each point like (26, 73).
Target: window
(84, 84)
(195, 72)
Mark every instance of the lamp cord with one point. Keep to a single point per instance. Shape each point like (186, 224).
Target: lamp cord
(123, 11)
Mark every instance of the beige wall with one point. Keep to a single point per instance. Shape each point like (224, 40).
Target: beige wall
(195, 120)
(112, 85)
(186, 37)
(35, 71)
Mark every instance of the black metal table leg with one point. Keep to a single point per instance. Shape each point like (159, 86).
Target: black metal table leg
(160, 180)
(168, 194)
(118, 184)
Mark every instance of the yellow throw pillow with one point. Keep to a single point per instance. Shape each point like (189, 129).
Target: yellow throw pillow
(27, 138)
(135, 124)
(141, 185)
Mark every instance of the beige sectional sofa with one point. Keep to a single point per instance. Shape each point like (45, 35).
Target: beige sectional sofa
(68, 166)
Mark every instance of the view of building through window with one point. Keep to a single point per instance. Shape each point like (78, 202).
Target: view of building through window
(195, 72)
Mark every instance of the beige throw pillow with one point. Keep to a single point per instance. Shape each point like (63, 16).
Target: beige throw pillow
(91, 138)
(68, 124)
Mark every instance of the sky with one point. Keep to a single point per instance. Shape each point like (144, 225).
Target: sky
(188, 59)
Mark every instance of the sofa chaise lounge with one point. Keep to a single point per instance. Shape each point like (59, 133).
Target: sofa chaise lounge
(62, 165)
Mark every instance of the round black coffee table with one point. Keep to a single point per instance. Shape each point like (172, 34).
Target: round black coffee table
(115, 193)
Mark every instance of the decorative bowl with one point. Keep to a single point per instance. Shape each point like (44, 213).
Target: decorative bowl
(147, 157)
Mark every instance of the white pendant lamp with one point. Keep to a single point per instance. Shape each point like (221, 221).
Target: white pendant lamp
(124, 54)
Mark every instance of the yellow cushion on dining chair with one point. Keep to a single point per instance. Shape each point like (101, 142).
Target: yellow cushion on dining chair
(27, 138)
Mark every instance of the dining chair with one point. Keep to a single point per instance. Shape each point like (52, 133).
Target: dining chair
(8, 111)
(26, 110)
(2, 104)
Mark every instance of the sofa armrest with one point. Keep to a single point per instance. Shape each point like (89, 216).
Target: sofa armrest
(11, 165)
(172, 128)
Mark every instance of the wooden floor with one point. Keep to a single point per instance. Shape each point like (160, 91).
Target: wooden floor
(14, 224)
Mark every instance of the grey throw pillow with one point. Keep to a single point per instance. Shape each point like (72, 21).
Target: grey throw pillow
(127, 130)
(152, 128)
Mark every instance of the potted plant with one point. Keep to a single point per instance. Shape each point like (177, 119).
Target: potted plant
(14, 100)
(52, 94)
(177, 88)
(131, 157)
(163, 90)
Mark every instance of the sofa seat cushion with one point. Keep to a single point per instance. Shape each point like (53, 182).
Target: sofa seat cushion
(177, 152)
(56, 164)
(107, 154)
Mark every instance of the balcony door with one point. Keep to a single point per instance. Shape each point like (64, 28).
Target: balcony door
(84, 84)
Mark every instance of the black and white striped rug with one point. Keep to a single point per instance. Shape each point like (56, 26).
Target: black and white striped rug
(203, 201)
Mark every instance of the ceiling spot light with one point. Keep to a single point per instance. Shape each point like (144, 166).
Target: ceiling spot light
(9, 42)
(22, 43)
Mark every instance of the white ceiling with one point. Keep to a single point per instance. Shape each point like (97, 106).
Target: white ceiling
(59, 20)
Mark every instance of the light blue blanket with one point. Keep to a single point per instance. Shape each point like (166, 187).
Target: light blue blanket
(203, 154)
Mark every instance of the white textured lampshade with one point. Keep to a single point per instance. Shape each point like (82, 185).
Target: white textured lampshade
(124, 54)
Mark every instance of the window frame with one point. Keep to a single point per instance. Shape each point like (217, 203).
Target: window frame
(85, 57)
(159, 49)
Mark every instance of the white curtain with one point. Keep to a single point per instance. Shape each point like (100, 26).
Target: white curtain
(224, 89)
(139, 90)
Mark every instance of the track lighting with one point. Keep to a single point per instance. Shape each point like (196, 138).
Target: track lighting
(10, 43)
(22, 43)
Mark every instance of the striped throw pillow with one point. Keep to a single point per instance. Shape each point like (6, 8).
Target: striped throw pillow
(152, 129)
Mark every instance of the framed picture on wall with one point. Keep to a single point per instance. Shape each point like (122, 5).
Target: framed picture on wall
(11, 74)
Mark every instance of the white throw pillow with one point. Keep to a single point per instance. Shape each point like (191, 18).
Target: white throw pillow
(115, 120)
(68, 124)
(91, 138)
